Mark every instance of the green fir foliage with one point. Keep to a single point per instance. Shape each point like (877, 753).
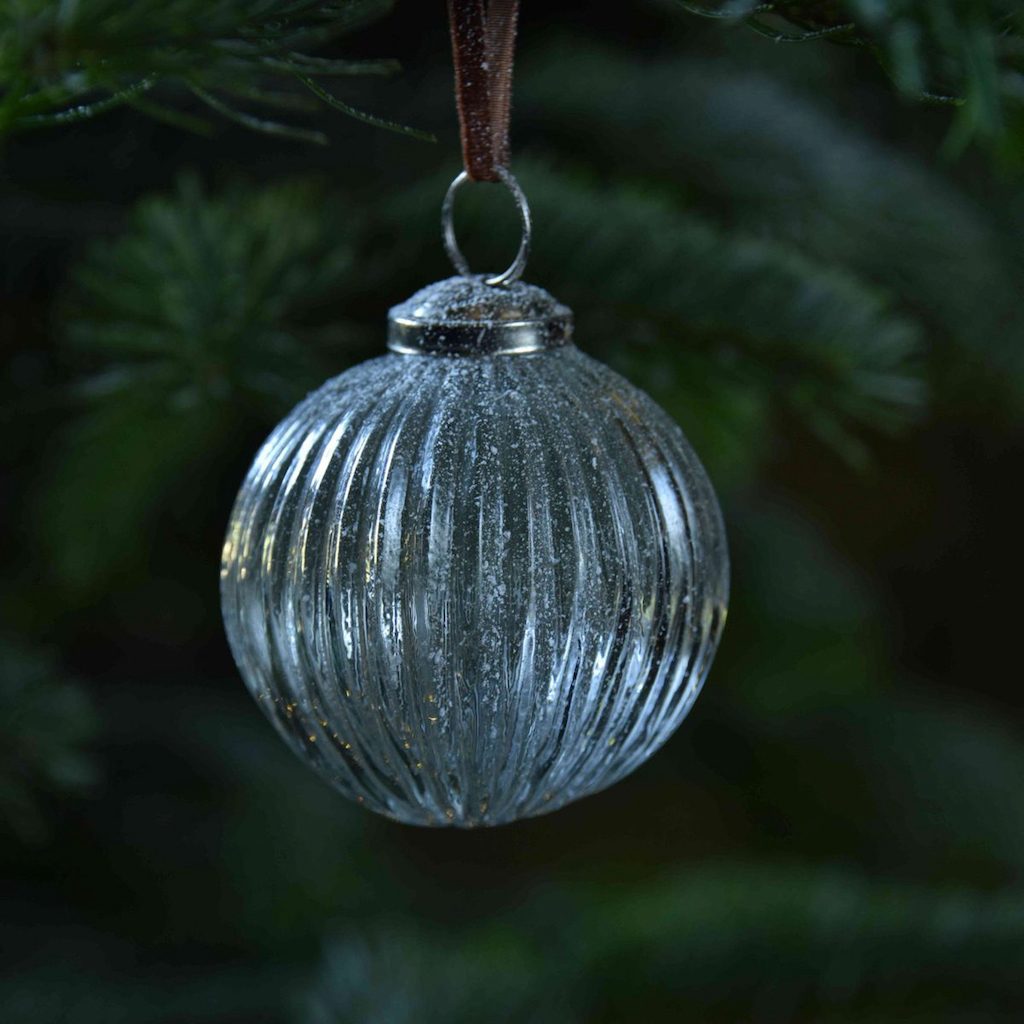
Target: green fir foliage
(823, 943)
(204, 308)
(760, 156)
(68, 61)
(966, 52)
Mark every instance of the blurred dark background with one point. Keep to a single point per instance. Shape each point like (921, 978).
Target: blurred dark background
(818, 272)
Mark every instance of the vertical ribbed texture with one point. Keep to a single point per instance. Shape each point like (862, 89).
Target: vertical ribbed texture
(471, 589)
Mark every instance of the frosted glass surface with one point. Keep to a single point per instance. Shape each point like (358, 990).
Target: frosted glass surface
(471, 589)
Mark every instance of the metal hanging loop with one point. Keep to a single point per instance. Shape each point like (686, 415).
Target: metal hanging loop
(515, 271)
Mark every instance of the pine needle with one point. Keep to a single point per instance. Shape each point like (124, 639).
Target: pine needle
(260, 124)
(361, 115)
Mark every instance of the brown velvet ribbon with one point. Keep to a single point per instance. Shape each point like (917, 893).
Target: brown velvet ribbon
(483, 44)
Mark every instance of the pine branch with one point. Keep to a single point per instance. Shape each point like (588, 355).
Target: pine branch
(731, 312)
(969, 53)
(762, 156)
(65, 62)
(203, 309)
(714, 942)
(198, 289)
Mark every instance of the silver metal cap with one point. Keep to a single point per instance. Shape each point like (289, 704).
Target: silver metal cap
(465, 316)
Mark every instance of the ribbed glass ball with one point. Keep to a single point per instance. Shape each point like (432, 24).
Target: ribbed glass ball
(470, 581)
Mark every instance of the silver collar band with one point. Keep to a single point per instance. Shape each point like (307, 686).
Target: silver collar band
(466, 316)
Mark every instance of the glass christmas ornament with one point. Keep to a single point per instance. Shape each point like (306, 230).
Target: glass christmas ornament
(480, 576)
